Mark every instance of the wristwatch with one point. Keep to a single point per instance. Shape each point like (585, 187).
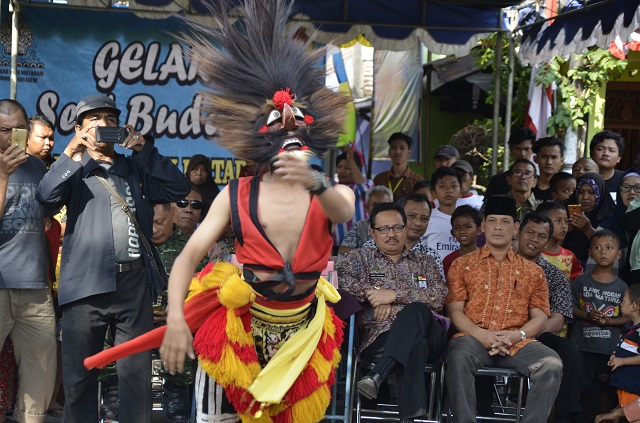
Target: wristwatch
(523, 335)
(320, 183)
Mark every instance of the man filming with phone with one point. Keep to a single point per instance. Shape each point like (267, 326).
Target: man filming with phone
(26, 307)
(110, 272)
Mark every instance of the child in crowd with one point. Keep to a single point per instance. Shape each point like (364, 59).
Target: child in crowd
(465, 227)
(562, 185)
(445, 186)
(423, 187)
(554, 253)
(596, 307)
(625, 360)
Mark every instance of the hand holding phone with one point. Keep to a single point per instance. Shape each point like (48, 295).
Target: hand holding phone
(574, 209)
(111, 134)
(19, 138)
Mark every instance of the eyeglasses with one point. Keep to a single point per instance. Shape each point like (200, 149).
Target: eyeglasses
(195, 204)
(423, 219)
(526, 173)
(625, 188)
(385, 229)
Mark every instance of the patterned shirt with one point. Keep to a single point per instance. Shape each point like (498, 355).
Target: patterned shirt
(566, 261)
(497, 295)
(399, 186)
(530, 205)
(357, 235)
(360, 191)
(172, 247)
(414, 277)
(559, 289)
(420, 247)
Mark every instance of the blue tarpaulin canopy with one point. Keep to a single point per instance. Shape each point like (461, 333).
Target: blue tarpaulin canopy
(446, 27)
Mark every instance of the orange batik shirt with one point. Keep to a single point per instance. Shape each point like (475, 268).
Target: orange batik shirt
(497, 296)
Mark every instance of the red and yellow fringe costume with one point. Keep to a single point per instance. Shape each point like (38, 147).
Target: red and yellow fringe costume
(295, 384)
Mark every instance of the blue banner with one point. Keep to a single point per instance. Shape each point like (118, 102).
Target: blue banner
(67, 54)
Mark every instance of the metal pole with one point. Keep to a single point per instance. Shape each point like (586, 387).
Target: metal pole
(14, 8)
(427, 120)
(373, 107)
(496, 105)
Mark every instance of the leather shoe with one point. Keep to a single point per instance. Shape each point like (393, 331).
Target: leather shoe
(370, 385)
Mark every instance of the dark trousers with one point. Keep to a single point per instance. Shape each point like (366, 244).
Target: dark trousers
(415, 338)
(567, 403)
(84, 326)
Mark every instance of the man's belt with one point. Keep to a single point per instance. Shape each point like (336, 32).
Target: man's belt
(128, 266)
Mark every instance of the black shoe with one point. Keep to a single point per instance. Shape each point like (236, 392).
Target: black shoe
(370, 385)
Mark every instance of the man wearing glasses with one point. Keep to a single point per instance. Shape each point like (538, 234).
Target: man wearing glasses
(522, 178)
(402, 291)
(187, 212)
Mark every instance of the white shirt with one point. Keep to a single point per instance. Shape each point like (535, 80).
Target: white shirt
(438, 235)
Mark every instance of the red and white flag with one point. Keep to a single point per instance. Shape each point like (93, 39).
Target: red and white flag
(539, 106)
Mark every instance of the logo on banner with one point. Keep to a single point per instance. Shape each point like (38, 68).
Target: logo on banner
(30, 67)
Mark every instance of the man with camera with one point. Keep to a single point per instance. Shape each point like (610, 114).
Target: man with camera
(26, 307)
(109, 273)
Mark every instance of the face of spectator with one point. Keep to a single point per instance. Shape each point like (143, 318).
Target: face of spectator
(627, 189)
(522, 150)
(399, 152)
(187, 212)
(532, 239)
(198, 175)
(560, 224)
(162, 224)
(499, 230)
(377, 198)
(522, 178)
(626, 306)
(442, 161)
(467, 179)
(7, 123)
(40, 142)
(606, 154)
(99, 117)
(549, 160)
(426, 192)
(586, 197)
(418, 215)
(391, 243)
(604, 251)
(564, 189)
(465, 230)
(345, 174)
(447, 190)
(582, 166)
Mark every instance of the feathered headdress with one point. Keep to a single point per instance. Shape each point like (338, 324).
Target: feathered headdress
(266, 89)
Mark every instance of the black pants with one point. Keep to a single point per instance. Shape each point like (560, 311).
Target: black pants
(84, 326)
(415, 338)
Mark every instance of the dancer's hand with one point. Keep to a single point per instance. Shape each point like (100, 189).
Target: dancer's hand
(177, 343)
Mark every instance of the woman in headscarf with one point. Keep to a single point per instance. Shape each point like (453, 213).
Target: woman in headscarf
(626, 193)
(596, 206)
(200, 175)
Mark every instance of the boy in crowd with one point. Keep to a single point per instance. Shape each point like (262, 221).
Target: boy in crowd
(465, 228)
(549, 158)
(445, 185)
(562, 185)
(554, 253)
(520, 147)
(467, 195)
(423, 187)
(596, 307)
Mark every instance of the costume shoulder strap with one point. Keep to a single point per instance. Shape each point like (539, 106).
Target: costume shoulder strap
(235, 215)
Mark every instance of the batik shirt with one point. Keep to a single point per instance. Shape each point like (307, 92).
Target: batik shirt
(497, 295)
(420, 247)
(360, 191)
(566, 261)
(415, 278)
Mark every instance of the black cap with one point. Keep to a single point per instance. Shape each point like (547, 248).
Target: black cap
(447, 151)
(503, 206)
(93, 102)
(464, 166)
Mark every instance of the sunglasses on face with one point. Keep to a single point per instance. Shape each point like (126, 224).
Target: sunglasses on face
(195, 204)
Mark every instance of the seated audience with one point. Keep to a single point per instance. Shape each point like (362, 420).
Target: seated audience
(582, 166)
(445, 185)
(522, 178)
(200, 175)
(467, 195)
(402, 293)
(498, 303)
(188, 212)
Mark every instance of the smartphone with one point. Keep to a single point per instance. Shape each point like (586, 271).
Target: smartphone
(19, 136)
(574, 209)
(111, 134)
